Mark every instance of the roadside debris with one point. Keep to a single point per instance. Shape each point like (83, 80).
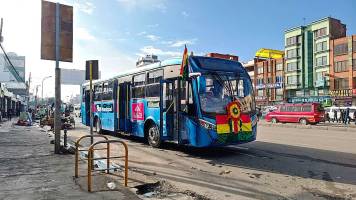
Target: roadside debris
(225, 172)
(111, 185)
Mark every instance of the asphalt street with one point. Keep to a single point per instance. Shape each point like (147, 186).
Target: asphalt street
(284, 163)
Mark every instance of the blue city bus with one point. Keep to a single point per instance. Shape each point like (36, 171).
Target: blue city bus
(154, 102)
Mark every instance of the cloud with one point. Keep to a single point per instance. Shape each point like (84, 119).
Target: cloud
(185, 14)
(133, 5)
(156, 51)
(180, 43)
(152, 37)
(142, 33)
(152, 25)
(82, 34)
(85, 6)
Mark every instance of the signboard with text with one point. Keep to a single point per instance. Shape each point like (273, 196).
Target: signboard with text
(48, 32)
(137, 111)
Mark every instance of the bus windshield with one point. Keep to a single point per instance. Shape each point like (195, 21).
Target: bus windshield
(217, 90)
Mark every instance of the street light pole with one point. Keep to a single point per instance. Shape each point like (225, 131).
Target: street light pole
(47, 77)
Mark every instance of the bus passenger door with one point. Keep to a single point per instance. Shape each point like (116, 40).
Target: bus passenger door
(168, 110)
(123, 107)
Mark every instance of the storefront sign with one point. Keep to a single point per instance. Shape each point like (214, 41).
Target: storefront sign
(269, 85)
(341, 93)
(311, 99)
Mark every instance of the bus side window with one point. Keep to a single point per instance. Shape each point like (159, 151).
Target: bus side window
(138, 86)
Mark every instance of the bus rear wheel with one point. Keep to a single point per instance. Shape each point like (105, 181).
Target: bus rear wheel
(153, 136)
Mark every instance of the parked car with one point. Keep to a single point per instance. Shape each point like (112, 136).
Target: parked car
(304, 113)
(331, 110)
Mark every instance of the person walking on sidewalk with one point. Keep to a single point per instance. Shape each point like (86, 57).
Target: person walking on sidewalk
(335, 116)
(9, 114)
(355, 117)
(347, 116)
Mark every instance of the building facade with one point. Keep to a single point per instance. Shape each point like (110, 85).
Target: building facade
(307, 57)
(17, 61)
(343, 71)
(269, 81)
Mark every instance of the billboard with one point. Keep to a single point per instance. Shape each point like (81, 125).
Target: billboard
(48, 32)
(73, 76)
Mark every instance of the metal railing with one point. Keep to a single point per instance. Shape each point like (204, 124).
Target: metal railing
(91, 157)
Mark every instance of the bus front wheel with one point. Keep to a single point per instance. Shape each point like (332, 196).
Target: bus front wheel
(153, 136)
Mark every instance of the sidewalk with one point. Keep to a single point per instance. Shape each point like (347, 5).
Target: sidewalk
(321, 126)
(30, 170)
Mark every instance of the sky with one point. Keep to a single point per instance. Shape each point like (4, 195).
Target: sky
(118, 32)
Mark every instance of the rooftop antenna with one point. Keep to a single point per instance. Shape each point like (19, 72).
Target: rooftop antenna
(304, 21)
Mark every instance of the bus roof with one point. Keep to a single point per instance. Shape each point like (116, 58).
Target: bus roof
(157, 65)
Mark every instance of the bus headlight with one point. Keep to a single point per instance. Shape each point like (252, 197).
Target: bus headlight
(207, 125)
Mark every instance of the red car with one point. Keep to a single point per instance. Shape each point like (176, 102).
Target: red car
(304, 113)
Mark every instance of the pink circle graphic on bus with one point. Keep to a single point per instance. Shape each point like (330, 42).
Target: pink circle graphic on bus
(137, 111)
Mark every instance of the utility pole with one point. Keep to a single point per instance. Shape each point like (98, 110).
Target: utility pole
(36, 96)
(57, 111)
(1, 38)
(42, 86)
(91, 101)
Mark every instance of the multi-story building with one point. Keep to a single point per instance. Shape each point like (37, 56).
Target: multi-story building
(307, 53)
(17, 61)
(269, 77)
(250, 67)
(343, 71)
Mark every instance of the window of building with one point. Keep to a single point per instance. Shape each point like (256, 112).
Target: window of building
(279, 66)
(260, 93)
(354, 83)
(321, 61)
(292, 40)
(293, 66)
(153, 83)
(340, 49)
(340, 66)
(293, 53)
(354, 46)
(260, 81)
(269, 80)
(321, 46)
(138, 88)
(341, 83)
(279, 91)
(269, 68)
(292, 80)
(279, 79)
(259, 70)
(354, 64)
(320, 32)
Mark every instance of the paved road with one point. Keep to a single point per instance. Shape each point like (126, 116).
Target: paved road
(30, 170)
(284, 163)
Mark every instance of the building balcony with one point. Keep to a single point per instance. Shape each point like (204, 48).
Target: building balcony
(292, 58)
(293, 45)
(321, 66)
(322, 51)
(292, 86)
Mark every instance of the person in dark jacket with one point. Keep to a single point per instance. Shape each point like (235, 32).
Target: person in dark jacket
(347, 116)
(355, 117)
(335, 116)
